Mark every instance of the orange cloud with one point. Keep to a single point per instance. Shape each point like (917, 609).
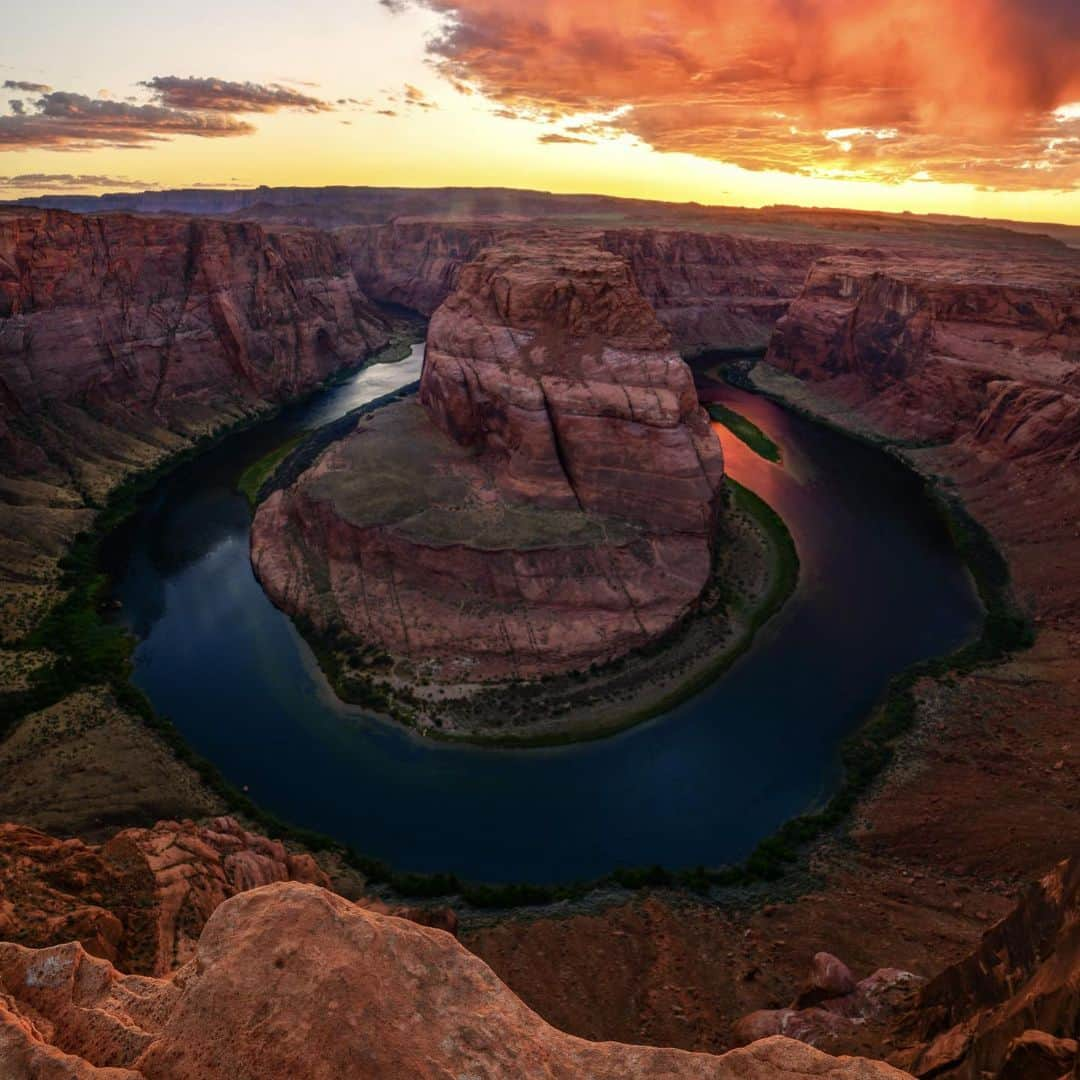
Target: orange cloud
(953, 90)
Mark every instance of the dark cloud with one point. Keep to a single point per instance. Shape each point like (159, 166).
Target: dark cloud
(220, 95)
(64, 121)
(556, 137)
(69, 181)
(387, 112)
(26, 87)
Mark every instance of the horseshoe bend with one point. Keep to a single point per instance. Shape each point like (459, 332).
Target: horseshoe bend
(548, 501)
(542, 539)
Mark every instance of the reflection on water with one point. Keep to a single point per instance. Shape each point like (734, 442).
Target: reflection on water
(879, 587)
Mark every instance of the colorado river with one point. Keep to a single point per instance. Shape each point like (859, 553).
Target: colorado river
(880, 587)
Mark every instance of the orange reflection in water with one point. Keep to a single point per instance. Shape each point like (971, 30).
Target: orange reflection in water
(750, 469)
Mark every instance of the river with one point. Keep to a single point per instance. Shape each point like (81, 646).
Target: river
(880, 587)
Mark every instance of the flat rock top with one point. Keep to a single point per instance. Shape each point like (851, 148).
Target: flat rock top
(399, 471)
(1057, 273)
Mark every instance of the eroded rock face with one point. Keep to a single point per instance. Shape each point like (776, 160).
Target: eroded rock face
(709, 290)
(548, 360)
(123, 338)
(548, 503)
(292, 981)
(714, 290)
(987, 351)
(1017, 996)
(141, 899)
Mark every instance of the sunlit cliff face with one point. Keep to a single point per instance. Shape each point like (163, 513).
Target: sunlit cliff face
(975, 91)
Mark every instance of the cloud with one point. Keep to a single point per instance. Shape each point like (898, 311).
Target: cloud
(557, 137)
(38, 182)
(65, 121)
(965, 89)
(26, 87)
(387, 112)
(207, 108)
(220, 95)
(416, 98)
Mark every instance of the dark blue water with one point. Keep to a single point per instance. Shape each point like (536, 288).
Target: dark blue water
(880, 587)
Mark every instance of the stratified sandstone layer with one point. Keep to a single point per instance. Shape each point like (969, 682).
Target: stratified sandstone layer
(985, 350)
(122, 339)
(550, 502)
(1015, 998)
(710, 290)
(292, 981)
(140, 900)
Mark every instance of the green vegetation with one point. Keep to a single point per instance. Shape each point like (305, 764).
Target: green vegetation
(91, 652)
(370, 692)
(258, 472)
(747, 431)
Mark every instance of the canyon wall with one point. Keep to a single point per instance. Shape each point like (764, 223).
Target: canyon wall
(710, 290)
(1011, 1008)
(124, 338)
(550, 501)
(928, 349)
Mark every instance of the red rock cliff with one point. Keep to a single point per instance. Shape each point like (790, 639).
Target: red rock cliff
(123, 337)
(552, 507)
(710, 290)
(939, 349)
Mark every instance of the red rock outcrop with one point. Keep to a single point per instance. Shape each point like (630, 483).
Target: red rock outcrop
(833, 1009)
(123, 338)
(548, 504)
(1015, 998)
(141, 899)
(292, 981)
(709, 289)
(984, 350)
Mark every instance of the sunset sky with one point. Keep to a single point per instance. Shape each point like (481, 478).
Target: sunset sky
(957, 106)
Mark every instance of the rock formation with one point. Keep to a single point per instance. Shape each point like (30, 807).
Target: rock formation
(987, 350)
(1014, 1000)
(292, 981)
(710, 290)
(548, 503)
(124, 338)
(141, 899)
(833, 1010)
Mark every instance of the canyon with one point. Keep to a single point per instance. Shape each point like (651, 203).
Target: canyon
(953, 345)
(548, 503)
(123, 340)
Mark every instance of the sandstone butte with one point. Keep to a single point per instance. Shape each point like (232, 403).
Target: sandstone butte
(548, 502)
(292, 981)
(706, 288)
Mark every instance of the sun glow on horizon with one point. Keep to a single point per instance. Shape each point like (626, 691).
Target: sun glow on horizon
(411, 97)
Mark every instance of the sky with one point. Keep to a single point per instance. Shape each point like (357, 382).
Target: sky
(951, 106)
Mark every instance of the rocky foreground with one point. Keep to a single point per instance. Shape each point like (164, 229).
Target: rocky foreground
(548, 503)
(256, 968)
(292, 981)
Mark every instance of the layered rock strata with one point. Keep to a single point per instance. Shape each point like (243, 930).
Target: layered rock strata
(710, 290)
(1014, 1000)
(122, 339)
(290, 980)
(548, 502)
(941, 350)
